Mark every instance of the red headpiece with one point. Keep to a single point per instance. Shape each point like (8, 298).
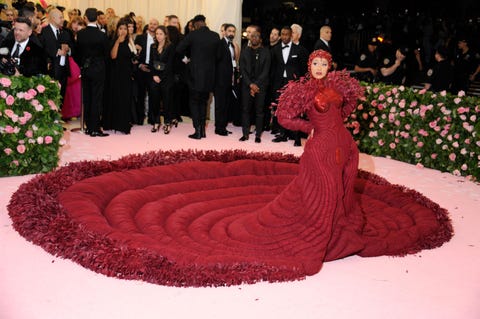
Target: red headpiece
(319, 54)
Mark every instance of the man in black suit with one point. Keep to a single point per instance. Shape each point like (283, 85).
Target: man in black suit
(91, 53)
(323, 43)
(224, 79)
(289, 62)
(255, 68)
(57, 44)
(202, 45)
(28, 56)
(143, 74)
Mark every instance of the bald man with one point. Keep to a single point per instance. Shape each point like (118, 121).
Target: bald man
(57, 44)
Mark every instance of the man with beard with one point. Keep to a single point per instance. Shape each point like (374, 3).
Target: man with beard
(224, 80)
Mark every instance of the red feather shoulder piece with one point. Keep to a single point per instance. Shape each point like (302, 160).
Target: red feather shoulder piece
(348, 87)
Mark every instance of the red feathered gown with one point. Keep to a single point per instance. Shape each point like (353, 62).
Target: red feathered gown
(228, 221)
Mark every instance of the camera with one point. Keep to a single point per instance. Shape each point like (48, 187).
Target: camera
(8, 64)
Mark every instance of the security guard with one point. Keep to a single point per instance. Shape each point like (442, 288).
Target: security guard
(440, 77)
(393, 67)
(464, 65)
(366, 67)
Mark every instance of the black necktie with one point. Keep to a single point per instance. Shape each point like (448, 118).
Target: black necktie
(230, 44)
(285, 46)
(58, 33)
(16, 52)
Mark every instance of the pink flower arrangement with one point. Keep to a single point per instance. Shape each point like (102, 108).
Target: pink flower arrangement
(438, 129)
(23, 122)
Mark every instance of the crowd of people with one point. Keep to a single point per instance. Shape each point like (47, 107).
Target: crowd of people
(119, 71)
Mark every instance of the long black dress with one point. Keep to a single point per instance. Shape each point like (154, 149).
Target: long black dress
(119, 101)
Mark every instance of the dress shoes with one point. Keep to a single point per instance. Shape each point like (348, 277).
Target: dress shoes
(297, 143)
(258, 139)
(98, 133)
(243, 138)
(221, 132)
(280, 138)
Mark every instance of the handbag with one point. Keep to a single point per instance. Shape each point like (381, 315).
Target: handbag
(158, 66)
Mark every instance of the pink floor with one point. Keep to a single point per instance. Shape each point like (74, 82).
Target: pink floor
(439, 283)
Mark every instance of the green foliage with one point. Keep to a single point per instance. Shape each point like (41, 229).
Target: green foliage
(30, 127)
(438, 131)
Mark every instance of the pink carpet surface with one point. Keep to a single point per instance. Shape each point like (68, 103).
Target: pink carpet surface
(440, 283)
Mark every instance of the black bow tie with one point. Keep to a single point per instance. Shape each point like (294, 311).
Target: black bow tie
(285, 46)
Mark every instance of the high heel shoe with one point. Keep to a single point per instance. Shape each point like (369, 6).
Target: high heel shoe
(174, 122)
(167, 128)
(155, 128)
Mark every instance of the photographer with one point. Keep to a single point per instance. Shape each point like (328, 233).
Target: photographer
(25, 57)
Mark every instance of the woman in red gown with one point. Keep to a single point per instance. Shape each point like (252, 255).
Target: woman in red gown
(220, 218)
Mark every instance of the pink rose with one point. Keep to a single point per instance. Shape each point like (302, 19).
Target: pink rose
(8, 151)
(414, 103)
(381, 97)
(423, 91)
(32, 92)
(419, 165)
(3, 94)
(15, 162)
(375, 90)
(40, 88)
(29, 134)
(457, 100)
(461, 93)
(10, 100)
(360, 107)
(40, 140)
(9, 113)
(22, 120)
(6, 82)
(9, 129)
(48, 139)
(381, 142)
(420, 144)
(52, 105)
(392, 146)
(443, 93)
(21, 148)
(452, 157)
(27, 115)
(27, 96)
(467, 141)
(434, 156)
(407, 126)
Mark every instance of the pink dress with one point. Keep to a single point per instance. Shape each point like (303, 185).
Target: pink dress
(72, 103)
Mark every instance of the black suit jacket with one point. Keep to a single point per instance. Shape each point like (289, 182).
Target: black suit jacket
(224, 67)
(259, 75)
(51, 45)
(295, 67)
(203, 47)
(320, 45)
(33, 60)
(91, 51)
(141, 40)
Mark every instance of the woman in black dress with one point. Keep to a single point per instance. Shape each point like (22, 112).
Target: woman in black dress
(161, 65)
(117, 114)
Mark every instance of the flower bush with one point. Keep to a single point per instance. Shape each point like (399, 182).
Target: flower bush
(30, 127)
(435, 130)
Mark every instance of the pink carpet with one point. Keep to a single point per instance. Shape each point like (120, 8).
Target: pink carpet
(439, 283)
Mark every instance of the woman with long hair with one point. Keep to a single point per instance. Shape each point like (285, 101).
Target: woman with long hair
(162, 54)
(119, 101)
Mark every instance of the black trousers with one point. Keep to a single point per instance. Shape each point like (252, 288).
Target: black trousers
(159, 93)
(198, 108)
(142, 80)
(223, 95)
(258, 102)
(92, 93)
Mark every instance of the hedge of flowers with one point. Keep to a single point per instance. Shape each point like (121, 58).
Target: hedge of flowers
(30, 127)
(434, 130)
